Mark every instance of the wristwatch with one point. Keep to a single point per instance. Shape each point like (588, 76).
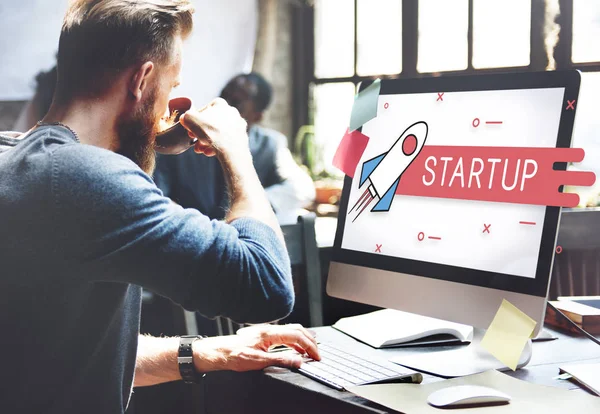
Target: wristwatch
(185, 360)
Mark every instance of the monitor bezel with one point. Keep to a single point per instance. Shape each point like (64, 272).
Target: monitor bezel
(538, 286)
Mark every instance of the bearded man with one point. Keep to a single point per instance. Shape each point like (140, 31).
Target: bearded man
(84, 228)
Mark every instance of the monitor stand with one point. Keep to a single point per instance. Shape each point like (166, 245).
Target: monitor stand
(458, 362)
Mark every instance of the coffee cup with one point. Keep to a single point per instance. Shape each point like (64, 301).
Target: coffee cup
(175, 139)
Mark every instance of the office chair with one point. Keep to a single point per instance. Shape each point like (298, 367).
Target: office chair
(301, 243)
(576, 270)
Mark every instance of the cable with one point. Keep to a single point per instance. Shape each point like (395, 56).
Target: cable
(577, 327)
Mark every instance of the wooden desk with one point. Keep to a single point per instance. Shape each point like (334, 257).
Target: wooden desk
(278, 390)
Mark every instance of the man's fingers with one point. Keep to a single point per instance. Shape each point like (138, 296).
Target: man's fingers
(306, 332)
(297, 348)
(296, 339)
(207, 121)
(252, 359)
(309, 346)
(218, 101)
(292, 335)
(204, 147)
(207, 151)
(192, 121)
(281, 359)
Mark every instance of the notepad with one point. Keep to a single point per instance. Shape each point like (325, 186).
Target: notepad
(391, 328)
(586, 374)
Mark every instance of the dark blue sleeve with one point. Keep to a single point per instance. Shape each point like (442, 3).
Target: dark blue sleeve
(119, 227)
(163, 175)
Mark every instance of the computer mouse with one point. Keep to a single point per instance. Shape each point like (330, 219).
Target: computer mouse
(462, 395)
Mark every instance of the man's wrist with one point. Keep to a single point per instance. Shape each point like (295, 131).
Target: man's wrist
(156, 360)
(240, 173)
(235, 160)
(208, 355)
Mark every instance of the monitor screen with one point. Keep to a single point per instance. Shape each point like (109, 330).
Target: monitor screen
(486, 243)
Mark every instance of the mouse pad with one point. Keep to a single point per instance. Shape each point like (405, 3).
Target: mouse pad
(526, 397)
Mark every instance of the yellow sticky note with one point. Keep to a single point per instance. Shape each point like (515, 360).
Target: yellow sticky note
(508, 333)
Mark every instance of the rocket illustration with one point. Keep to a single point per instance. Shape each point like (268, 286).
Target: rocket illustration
(382, 173)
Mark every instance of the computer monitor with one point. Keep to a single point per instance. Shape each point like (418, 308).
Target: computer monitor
(452, 258)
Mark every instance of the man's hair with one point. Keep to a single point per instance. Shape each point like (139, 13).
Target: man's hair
(101, 38)
(262, 99)
(263, 93)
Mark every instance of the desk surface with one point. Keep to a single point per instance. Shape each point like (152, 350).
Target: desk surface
(283, 391)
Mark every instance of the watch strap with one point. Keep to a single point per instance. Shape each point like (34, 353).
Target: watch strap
(185, 360)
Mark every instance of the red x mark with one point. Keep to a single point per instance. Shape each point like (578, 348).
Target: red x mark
(378, 248)
(440, 97)
(571, 105)
(486, 227)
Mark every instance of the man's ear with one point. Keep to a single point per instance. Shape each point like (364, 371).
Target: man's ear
(139, 80)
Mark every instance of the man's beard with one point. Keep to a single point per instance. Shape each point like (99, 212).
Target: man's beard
(137, 135)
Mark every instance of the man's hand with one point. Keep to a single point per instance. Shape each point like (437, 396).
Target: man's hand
(219, 128)
(249, 349)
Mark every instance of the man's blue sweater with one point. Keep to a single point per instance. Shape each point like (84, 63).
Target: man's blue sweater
(82, 230)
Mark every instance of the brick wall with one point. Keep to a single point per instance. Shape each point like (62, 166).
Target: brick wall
(273, 59)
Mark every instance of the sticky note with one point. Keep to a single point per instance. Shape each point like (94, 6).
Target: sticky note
(508, 333)
(365, 106)
(350, 151)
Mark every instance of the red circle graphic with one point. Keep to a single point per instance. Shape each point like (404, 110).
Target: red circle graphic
(409, 145)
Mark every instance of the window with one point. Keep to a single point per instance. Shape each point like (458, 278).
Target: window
(586, 133)
(586, 31)
(379, 37)
(501, 33)
(332, 108)
(443, 46)
(581, 33)
(334, 38)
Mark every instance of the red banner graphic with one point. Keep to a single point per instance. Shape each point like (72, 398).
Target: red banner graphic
(499, 174)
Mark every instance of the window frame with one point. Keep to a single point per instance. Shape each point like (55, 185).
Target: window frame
(305, 59)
